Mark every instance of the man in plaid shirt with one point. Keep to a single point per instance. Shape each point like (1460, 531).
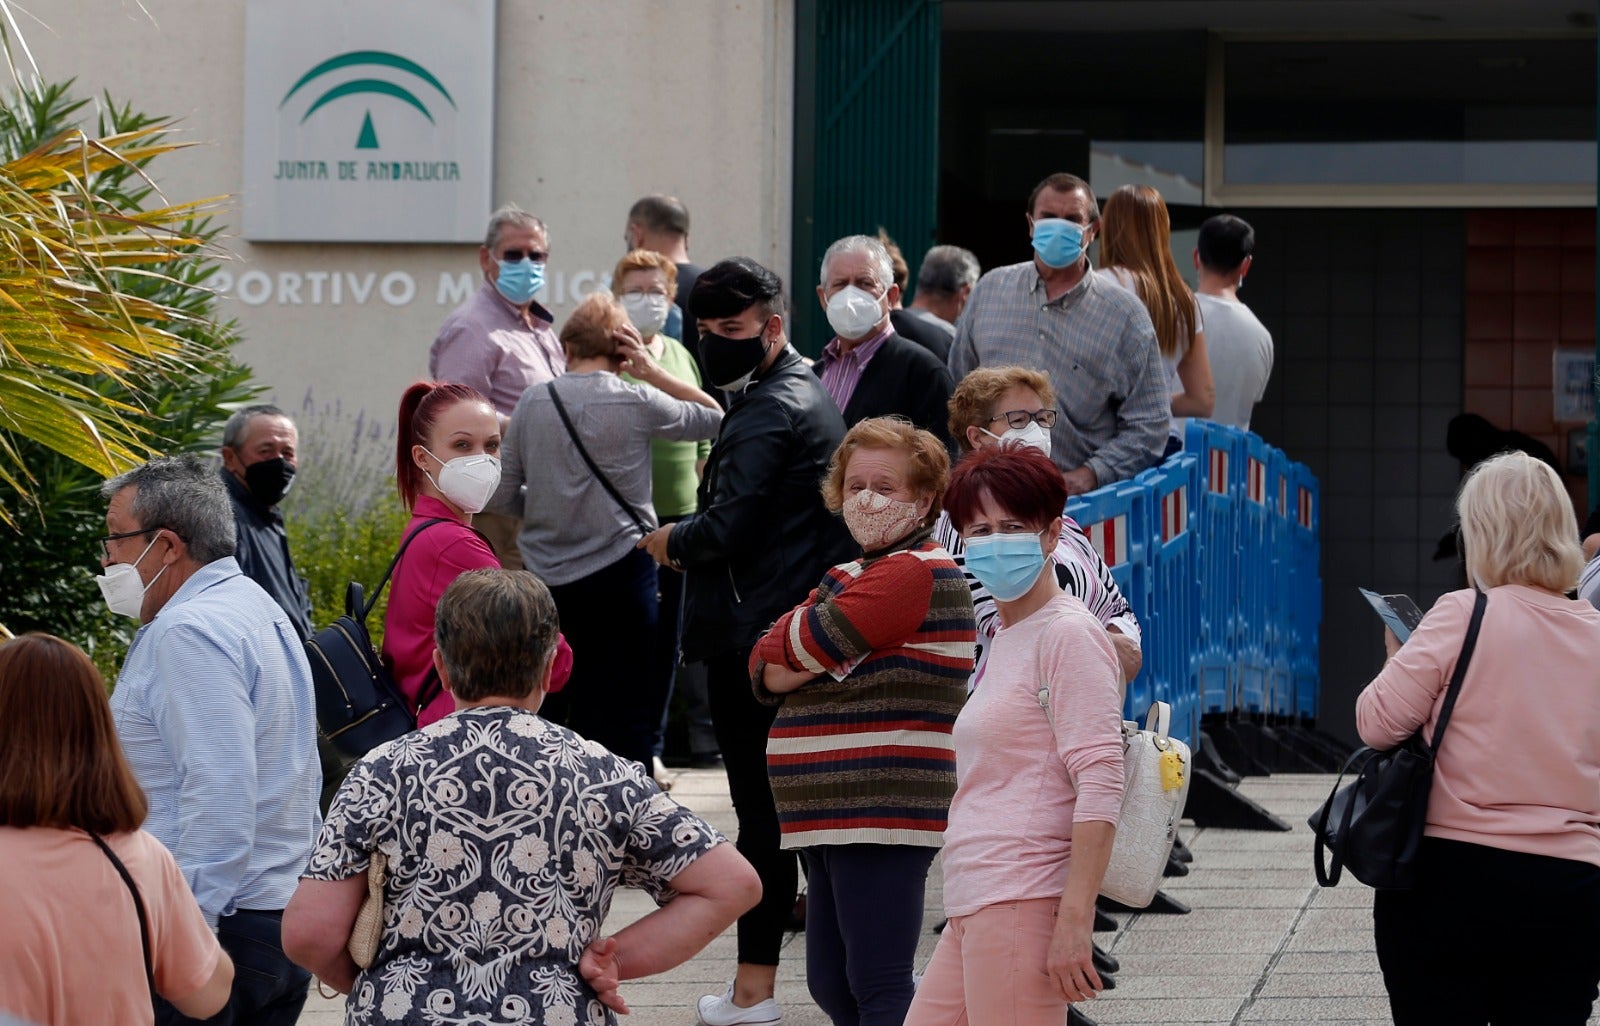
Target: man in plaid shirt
(1093, 338)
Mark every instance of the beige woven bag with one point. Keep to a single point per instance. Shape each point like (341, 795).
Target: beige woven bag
(367, 934)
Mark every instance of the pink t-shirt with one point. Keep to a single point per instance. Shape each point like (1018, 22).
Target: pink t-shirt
(435, 558)
(1020, 787)
(70, 950)
(1519, 768)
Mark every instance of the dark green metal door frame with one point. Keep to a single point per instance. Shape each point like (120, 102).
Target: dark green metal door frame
(866, 108)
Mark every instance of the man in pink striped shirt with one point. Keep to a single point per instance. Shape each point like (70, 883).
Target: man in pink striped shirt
(868, 369)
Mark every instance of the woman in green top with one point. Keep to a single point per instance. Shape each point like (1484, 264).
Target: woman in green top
(647, 284)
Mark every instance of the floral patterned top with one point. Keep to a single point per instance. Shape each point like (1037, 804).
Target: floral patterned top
(506, 837)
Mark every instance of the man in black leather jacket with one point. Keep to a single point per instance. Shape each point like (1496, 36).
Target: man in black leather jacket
(759, 542)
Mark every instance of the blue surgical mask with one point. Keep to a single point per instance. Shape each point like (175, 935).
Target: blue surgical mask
(1006, 564)
(519, 280)
(1058, 242)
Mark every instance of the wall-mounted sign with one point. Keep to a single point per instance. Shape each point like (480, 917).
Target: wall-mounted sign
(1574, 385)
(368, 120)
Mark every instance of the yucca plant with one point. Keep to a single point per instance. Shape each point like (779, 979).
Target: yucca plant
(109, 351)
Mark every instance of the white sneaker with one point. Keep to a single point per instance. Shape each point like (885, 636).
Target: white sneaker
(719, 1010)
(664, 777)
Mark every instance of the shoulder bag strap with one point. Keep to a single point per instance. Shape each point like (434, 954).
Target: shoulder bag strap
(1479, 604)
(605, 482)
(138, 906)
(366, 607)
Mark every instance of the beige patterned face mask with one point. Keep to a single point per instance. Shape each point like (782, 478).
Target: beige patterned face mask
(877, 521)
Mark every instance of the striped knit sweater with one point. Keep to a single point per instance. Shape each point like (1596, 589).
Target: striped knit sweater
(862, 754)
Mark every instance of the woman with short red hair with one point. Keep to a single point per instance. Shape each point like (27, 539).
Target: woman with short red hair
(1038, 767)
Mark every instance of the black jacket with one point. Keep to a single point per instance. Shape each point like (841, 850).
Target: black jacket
(902, 378)
(926, 330)
(262, 549)
(762, 538)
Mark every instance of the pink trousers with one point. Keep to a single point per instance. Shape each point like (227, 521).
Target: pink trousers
(989, 970)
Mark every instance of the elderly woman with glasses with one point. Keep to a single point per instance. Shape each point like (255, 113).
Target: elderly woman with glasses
(1015, 405)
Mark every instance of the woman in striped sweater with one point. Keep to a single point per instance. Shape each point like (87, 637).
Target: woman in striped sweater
(872, 671)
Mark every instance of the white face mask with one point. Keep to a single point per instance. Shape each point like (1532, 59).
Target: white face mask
(123, 590)
(1034, 435)
(647, 310)
(468, 481)
(853, 312)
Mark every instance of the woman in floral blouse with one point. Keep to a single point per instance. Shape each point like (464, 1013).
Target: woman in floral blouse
(505, 838)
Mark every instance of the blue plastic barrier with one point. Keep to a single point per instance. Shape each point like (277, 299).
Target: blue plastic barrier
(1282, 613)
(1252, 541)
(1171, 662)
(1220, 452)
(1117, 521)
(1217, 552)
(1307, 595)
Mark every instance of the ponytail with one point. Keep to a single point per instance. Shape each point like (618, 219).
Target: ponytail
(420, 407)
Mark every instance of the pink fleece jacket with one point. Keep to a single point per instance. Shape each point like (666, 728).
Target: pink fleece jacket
(1519, 768)
(1020, 787)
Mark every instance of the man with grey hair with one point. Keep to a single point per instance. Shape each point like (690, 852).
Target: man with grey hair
(215, 713)
(259, 460)
(501, 341)
(944, 282)
(868, 369)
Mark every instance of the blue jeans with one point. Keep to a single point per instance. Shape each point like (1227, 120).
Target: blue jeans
(863, 918)
(268, 989)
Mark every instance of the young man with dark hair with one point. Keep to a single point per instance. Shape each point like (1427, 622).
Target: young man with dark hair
(759, 542)
(1239, 345)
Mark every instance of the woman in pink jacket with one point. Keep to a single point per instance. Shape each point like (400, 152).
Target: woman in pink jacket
(1511, 850)
(447, 466)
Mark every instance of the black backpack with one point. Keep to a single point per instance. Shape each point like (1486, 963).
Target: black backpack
(358, 705)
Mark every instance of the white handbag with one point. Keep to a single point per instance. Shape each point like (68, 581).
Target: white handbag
(1155, 785)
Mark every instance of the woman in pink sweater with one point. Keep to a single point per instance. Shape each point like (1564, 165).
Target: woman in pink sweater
(1512, 843)
(1036, 806)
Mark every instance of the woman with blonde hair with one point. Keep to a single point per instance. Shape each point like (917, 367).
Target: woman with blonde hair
(581, 446)
(1512, 842)
(646, 283)
(871, 672)
(98, 918)
(1016, 406)
(1136, 250)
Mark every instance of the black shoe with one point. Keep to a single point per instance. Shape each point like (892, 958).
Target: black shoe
(705, 760)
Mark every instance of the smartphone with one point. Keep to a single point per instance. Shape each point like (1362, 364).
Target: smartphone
(1397, 611)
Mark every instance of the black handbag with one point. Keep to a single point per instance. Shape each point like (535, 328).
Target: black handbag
(1374, 826)
(358, 705)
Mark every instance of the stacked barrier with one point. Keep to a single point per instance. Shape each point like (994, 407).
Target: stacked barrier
(1216, 550)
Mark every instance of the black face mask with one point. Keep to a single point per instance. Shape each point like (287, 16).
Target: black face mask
(269, 480)
(730, 362)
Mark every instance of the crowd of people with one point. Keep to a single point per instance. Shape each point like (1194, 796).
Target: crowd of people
(857, 574)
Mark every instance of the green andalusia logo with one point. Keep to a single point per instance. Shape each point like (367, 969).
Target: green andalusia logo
(369, 64)
(368, 139)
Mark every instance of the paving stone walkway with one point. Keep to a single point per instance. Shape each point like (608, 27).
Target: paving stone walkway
(1263, 944)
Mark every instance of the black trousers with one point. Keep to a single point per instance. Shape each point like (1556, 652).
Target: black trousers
(268, 989)
(1490, 936)
(610, 620)
(742, 724)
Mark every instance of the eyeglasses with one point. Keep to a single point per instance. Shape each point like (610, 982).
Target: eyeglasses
(638, 293)
(514, 256)
(1018, 419)
(105, 543)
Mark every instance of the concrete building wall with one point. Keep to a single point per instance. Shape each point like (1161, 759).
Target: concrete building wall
(597, 104)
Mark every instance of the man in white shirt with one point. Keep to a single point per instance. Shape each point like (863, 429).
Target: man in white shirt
(1239, 345)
